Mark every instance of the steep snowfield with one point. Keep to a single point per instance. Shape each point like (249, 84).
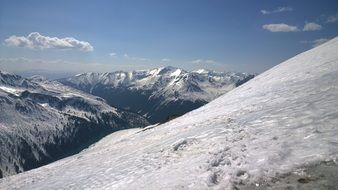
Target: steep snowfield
(273, 126)
(158, 93)
(42, 121)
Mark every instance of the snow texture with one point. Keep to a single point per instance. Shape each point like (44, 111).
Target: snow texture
(279, 122)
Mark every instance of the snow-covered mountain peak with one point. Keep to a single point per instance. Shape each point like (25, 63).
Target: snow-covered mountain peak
(4, 73)
(165, 72)
(201, 71)
(154, 78)
(9, 79)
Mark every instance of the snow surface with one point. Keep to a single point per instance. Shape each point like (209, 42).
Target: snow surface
(282, 120)
(176, 73)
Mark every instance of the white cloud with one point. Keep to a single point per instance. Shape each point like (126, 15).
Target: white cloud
(278, 10)
(165, 60)
(316, 42)
(112, 54)
(202, 61)
(37, 41)
(319, 42)
(312, 26)
(43, 66)
(280, 28)
(197, 61)
(20, 65)
(332, 18)
(209, 61)
(135, 58)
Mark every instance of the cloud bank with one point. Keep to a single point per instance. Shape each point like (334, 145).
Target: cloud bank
(332, 18)
(202, 61)
(37, 41)
(126, 56)
(22, 64)
(165, 60)
(112, 54)
(280, 28)
(316, 42)
(311, 26)
(319, 42)
(278, 10)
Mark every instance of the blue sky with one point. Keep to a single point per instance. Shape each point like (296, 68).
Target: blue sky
(235, 35)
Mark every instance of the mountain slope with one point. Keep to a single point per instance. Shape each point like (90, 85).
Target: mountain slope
(41, 121)
(281, 123)
(159, 93)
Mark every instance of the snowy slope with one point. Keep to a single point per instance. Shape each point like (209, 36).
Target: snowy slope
(158, 93)
(41, 121)
(271, 127)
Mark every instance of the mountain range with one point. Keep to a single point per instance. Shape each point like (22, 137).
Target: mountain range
(42, 121)
(158, 94)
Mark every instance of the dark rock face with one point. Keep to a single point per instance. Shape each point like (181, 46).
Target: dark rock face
(244, 80)
(141, 102)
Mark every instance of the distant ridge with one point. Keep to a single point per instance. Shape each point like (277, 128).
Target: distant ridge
(158, 94)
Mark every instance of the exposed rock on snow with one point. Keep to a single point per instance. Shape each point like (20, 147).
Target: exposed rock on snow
(281, 123)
